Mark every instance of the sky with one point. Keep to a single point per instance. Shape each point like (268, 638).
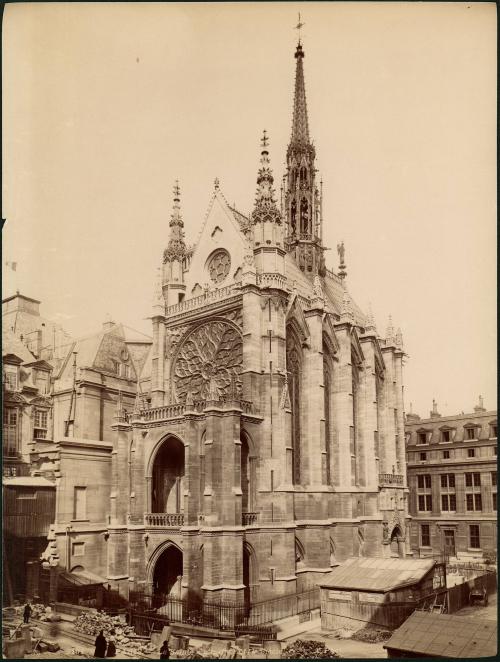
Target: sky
(105, 105)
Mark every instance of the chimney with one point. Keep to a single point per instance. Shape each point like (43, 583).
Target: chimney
(410, 416)
(480, 407)
(434, 413)
(108, 323)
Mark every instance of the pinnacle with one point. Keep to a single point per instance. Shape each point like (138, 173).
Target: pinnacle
(265, 205)
(300, 126)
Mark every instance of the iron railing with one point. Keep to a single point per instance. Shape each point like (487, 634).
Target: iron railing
(152, 611)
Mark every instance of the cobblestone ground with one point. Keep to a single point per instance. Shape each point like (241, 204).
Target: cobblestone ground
(489, 612)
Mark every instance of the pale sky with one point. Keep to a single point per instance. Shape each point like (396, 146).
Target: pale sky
(105, 105)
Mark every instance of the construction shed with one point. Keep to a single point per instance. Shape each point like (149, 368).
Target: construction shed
(380, 591)
(443, 635)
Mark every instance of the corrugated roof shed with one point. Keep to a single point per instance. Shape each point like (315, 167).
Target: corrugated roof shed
(364, 574)
(445, 635)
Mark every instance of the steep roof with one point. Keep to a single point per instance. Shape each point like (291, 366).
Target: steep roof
(365, 574)
(11, 344)
(445, 635)
(334, 290)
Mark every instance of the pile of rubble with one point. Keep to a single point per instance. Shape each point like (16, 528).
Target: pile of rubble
(124, 636)
(211, 652)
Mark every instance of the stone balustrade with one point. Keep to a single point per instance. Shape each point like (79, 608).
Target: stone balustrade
(390, 479)
(171, 412)
(173, 520)
(247, 519)
(210, 296)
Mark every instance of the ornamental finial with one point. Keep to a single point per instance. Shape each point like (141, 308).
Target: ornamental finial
(342, 267)
(177, 190)
(265, 206)
(216, 183)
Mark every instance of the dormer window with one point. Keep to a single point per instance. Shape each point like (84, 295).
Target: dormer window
(11, 377)
(447, 434)
(471, 432)
(42, 381)
(423, 436)
(493, 430)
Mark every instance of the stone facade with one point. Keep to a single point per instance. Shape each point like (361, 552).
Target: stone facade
(452, 477)
(266, 442)
(27, 402)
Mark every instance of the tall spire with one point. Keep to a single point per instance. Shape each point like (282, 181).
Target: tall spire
(300, 126)
(302, 204)
(176, 248)
(265, 206)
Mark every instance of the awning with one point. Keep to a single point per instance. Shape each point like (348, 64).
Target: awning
(82, 578)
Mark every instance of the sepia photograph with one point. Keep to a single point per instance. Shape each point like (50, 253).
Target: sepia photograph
(249, 330)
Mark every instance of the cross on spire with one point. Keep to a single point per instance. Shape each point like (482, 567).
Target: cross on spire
(264, 141)
(299, 26)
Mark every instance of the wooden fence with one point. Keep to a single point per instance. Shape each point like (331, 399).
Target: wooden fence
(459, 596)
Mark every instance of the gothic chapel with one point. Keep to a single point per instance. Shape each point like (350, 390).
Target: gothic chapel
(266, 444)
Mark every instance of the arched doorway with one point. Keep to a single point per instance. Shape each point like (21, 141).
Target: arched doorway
(167, 575)
(250, 575)
(397, 543)
(168, 472)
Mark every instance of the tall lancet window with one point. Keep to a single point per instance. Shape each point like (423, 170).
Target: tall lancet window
(379, 385)
(294, 370)
(355, 420)
(327, 385)
(304, 216)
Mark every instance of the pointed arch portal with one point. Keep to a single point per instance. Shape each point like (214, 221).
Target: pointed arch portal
(167, 477)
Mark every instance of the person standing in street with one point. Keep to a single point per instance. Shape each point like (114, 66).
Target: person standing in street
(100, 645)
(111, 650)
(27, 612)
(165, 651)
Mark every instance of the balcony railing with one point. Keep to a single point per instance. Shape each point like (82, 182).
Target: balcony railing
(170, 412)
(390, 479)
(208, 297)
(247, 519)
(164, 519)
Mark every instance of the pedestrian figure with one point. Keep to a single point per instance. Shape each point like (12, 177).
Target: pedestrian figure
(111, 651)
(165, 651)
(27, 612)
(100, 645)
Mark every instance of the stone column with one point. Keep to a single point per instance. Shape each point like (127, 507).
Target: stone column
(343, 414)
(313, 408)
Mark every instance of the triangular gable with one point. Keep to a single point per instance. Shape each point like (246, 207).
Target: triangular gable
(12, 359)
(39, 365)
(41, 401)
(220, 231)
(356, 346)
(330, 331)
(295, 313)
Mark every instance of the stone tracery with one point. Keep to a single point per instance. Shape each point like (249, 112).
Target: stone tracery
(209, 362)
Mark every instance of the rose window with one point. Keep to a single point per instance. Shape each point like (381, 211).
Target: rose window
(218, 265)
(208, 363)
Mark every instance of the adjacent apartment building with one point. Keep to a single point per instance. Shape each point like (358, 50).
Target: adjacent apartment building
(452, 478)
